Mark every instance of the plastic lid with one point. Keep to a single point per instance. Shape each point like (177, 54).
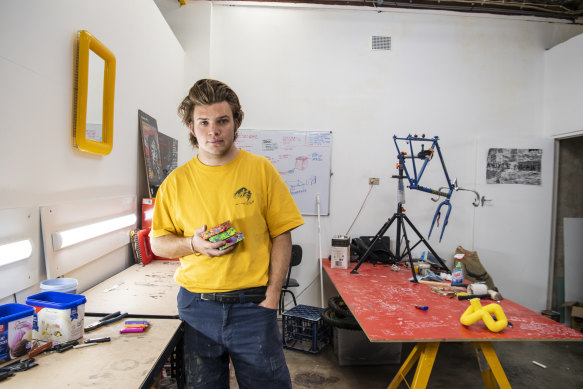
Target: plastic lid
(56, 300)
(11, 312)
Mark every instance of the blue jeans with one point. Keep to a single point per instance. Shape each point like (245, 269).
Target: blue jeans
(246, 333)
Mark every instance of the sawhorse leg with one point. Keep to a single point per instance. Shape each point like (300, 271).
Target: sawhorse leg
(491, 369)
(425, 353)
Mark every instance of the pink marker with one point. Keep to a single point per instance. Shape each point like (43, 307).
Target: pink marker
(131, 329)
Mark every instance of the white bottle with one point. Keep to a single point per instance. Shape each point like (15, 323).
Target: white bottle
(401, 192)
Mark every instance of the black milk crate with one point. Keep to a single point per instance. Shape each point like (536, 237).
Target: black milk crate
(304, 330)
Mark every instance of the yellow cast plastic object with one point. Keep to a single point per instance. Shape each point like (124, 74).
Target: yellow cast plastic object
(86, 43)
(476, 312)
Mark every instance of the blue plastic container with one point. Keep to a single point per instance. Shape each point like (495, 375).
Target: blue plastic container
(59, 316)
(58, 300)
(16, 322)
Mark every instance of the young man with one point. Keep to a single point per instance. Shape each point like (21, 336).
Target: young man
(228, 298)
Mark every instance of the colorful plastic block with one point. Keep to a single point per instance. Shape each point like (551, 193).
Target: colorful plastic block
(232, 240)
(223, 235)
(217, 229)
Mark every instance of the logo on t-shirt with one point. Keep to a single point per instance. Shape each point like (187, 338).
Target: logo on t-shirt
(243, 197)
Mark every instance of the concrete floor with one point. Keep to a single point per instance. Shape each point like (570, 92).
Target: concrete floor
(456, 366)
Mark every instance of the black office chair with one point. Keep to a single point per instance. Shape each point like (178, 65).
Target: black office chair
(296, 259)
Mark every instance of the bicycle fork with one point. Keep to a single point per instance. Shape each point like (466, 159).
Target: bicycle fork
(437, 216)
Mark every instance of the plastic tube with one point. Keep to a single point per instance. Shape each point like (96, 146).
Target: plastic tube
(320, 251)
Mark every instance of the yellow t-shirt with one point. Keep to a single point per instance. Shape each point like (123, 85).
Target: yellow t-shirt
(250, 193)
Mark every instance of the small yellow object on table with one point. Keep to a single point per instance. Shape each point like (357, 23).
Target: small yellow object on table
(476, 312)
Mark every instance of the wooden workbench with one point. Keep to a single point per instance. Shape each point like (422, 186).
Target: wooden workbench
(128, 361)
(383, 302)
(147, 291)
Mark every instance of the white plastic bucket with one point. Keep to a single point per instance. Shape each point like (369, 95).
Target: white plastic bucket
(63, 285)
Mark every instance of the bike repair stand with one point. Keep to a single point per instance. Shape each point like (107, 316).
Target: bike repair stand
(399, 216)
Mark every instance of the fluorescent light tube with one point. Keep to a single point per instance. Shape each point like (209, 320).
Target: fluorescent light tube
(73, 236)
(15, 251)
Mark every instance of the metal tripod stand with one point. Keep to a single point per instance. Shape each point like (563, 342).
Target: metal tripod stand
(401, 218)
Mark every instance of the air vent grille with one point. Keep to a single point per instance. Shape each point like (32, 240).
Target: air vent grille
(381, 42)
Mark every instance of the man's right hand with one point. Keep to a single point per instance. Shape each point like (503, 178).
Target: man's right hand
(205, 247)
(172, 246)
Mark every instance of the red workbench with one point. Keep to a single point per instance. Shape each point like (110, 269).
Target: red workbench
(383, 302)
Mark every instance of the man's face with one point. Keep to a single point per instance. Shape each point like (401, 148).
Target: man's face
(214, 128)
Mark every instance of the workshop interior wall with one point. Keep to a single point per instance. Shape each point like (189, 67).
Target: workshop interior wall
(475, 81)
(563, 64)
(40, 166)
(563, 94)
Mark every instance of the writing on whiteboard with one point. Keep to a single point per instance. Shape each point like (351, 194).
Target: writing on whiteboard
(302, 158)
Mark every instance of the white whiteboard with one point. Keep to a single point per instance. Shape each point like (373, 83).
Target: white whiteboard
(301, 157)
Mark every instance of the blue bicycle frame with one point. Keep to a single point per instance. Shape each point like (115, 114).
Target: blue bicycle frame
(414, 179)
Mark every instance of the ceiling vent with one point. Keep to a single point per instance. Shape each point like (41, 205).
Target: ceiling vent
(381, 42)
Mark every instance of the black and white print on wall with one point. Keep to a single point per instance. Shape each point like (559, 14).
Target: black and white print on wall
(514, 166)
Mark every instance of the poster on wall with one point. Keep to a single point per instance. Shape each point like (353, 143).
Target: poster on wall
(302, 158)
(514, 166)
(149, 132)
(168, 153)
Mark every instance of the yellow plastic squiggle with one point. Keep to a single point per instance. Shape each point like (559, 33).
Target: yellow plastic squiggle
(476, 312)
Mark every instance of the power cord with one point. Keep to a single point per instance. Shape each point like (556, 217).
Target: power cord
(360, 210)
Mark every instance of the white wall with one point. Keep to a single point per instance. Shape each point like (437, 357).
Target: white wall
(474, 81)
(191, 25)
(36, 73)
(563, 91)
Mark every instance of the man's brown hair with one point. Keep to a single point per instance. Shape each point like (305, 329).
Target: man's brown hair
(206, 92)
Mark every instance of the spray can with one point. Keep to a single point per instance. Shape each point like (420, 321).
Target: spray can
(340, 252)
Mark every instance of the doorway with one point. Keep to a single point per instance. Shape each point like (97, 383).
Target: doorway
(568, 204)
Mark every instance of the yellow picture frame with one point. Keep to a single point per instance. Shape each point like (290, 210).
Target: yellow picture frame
(103, 144)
